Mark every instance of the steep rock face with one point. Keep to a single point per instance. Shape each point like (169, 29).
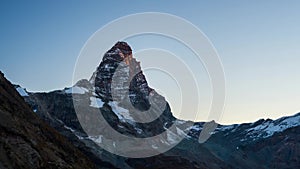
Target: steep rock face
(120, 72)
(119, 81)
(27, 142)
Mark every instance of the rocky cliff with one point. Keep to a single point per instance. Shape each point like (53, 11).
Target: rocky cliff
(120, 72)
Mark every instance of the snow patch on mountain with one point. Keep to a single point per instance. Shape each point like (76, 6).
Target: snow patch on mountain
(226, 127)
(96, 102)
(195, 128)
(180, 122)
(69, 128)
(96, 139)
(76, 90)
(123, 114)
(138, 130)
(182, 133)
(269, 127)
(74, 131)
(154, 146)
(22, 91)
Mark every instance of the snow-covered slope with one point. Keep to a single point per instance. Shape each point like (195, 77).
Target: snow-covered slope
(269, 127)
(260, 129)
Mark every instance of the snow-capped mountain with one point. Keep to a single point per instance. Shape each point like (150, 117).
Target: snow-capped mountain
(267, 128)
(262, 144)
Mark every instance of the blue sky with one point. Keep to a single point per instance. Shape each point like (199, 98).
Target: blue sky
(258, 43)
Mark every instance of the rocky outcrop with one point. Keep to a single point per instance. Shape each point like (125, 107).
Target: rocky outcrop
(27, 142)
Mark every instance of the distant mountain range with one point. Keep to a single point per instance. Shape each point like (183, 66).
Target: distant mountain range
(262, 144)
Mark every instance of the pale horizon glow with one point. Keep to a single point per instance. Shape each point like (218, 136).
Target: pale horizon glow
(258, 44)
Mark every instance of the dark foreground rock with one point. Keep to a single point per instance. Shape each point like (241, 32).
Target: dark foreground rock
(28, 142)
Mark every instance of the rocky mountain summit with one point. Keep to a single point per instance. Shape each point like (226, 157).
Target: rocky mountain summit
(119, 91)
(119, 66)
(119, 83)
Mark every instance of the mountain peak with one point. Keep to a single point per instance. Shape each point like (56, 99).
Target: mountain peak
(123, 46)
(119, 75)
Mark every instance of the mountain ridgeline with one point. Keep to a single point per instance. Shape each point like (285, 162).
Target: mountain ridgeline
(120, 92)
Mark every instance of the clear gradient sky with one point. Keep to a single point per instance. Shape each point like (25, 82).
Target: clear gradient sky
(257, 41)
